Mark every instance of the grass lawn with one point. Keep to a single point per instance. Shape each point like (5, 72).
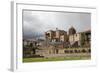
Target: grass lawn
(26, 60)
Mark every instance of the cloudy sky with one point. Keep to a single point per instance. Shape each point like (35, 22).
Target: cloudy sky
(35, 23)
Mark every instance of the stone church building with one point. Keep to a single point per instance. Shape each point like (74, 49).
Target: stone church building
(60, 42)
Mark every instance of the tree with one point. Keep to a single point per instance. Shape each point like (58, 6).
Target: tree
(31, 44)
(82, 41)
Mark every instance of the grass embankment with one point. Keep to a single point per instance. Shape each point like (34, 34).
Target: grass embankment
(54, 59)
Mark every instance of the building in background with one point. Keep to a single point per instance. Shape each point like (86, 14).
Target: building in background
(56, 36)
(75, 39)
(80, 39)
(58, 42)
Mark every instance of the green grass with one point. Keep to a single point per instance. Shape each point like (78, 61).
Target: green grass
(53, 59)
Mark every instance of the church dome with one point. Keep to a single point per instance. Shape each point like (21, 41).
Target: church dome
(72, 30)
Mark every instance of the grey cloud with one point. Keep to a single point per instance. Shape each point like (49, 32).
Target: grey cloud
(35, 23)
